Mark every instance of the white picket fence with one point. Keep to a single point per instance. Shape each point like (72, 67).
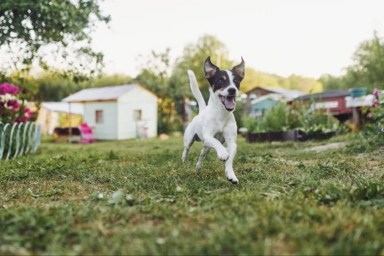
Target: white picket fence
(18, 139)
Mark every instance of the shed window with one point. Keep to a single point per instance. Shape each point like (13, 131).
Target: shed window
(137, 114)
(99, 116)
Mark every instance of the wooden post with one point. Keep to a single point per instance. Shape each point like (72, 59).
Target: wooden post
(356, 118)
(69, 123)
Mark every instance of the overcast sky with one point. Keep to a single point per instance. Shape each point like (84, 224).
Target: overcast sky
(304, 37)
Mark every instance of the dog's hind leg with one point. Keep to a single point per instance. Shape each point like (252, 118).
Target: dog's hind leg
(185, 154)
(202, 156)
(188, 141)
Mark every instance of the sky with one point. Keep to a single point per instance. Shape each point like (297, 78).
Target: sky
(283, 37)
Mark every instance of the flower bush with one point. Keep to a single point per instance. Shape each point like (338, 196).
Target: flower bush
(12, 109)
(371, 137)
(374, 115)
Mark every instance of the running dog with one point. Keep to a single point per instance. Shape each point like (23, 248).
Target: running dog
(215, 124)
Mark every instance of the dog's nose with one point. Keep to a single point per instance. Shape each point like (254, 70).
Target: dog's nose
(232, 91)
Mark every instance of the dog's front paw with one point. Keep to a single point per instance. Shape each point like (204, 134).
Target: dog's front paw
(223, 155)
(233, 179)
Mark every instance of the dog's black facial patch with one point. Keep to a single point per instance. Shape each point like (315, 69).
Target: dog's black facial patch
(220, 80)
(236, 80)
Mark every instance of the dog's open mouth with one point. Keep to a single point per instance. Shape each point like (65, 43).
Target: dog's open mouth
(229, 102)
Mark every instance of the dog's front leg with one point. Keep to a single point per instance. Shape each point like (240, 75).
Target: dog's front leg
(212, 142)
(229, 172)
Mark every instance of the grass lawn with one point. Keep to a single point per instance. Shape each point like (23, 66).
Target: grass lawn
(135, 197)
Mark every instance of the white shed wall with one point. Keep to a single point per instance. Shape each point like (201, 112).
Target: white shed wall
(107, 130)
(137, 99)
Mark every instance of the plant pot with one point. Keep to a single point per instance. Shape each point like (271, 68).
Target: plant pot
(358, 92)
(291, 135)
(317, 136)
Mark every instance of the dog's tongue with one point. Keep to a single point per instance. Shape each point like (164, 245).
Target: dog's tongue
(229, 103)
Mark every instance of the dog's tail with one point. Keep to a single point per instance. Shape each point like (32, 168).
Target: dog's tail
(196, 91)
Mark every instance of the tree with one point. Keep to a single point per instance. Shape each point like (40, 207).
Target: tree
(154, 72)
(332, 82)
(368, 68)
(154, 75)
(304, 84)
(193, 58)
(255, 78)
(32, 28)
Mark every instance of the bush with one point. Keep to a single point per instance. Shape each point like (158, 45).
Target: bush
(282, 117)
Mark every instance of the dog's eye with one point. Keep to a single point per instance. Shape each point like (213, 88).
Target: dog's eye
(220, 81)
(236, 80)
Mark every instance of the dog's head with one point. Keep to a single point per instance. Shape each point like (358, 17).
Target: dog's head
(225, 84)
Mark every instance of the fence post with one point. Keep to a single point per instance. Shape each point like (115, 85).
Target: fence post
(18, 139)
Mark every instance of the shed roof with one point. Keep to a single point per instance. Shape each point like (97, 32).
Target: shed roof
(287, 93)
(272, 96)
(63, 107)
(100, 93)
(325, 95)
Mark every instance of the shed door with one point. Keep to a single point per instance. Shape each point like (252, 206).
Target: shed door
(137, 122)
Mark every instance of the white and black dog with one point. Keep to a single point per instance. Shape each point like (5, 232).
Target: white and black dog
(215, 123)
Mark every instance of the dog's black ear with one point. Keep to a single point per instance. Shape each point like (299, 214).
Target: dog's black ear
(209, 68)
(239, 69)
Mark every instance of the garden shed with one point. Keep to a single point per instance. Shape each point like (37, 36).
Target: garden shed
(262, 103)
(118, 112)
(287, 94)
(333, 100)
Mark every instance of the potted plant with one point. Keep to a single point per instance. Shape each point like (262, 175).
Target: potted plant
(284, 123)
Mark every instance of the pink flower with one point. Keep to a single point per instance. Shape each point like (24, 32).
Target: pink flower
(376, 93)
(26, 116)
(13, 104)
(7, 88)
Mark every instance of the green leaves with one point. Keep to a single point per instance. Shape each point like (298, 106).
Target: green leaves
(366, 70)
(30, 29)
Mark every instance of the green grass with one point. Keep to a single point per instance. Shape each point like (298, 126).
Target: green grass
(135, 197)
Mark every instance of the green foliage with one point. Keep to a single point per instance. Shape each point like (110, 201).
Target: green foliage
(304, 84)
(55, 87)
(30, 29)
(255, 78)
(318, 121)
(333, 82)
(371, 136)
(283, 117)
(193, 58)
(274, 119)
(154, 73)
(366, 70)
